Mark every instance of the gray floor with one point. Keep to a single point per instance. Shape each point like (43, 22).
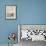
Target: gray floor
(30, 43)
(7, 45)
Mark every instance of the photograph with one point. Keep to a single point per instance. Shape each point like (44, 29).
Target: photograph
(10, 12)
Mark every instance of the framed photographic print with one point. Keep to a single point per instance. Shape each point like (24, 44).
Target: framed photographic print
(10, 12)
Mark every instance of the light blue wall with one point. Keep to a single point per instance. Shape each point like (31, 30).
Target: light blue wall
(28, 12)
(33, 11)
